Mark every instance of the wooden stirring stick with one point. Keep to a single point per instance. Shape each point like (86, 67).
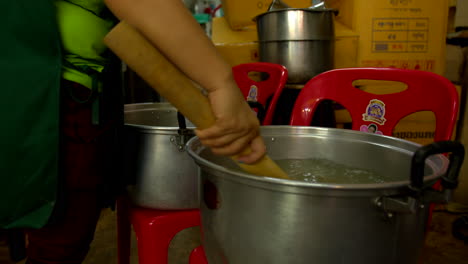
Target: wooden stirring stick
(147, 61)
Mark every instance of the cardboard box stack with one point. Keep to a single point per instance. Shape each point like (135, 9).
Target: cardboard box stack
(236, 47)
(393, 33)
(241, 46)
(406, 34)
(240, 13)
(235, 34)
(397, 33)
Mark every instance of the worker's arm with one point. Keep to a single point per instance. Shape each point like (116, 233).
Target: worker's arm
(173, 30)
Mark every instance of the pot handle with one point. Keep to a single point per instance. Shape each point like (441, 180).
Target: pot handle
(450, 179)
(181, 121)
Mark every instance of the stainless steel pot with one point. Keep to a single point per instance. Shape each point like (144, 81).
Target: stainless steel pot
(300, 39)
(165, 177)
(249, 219)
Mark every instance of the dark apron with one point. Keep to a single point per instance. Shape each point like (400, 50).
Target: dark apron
(29, 112)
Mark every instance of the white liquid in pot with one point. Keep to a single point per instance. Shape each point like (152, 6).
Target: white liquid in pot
(326, 171)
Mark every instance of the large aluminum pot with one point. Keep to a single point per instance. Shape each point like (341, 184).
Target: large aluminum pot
(302, 40)
(165, 177)
(250, 219)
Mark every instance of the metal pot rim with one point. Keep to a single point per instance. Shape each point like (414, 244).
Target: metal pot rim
(155, 128)
(297, 9)
(309, 39)
(240, 176)
(141, 106)
(137, 107)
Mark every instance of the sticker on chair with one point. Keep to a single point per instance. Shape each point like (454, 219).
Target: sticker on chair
(253, 92)
(371, 128)
(375, 112)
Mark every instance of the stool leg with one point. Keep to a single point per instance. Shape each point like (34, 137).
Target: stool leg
(17, 244)
(436, 186)
(154, 233)
(123, 230)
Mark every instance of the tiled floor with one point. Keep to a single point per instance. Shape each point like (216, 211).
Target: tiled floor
(440, 248)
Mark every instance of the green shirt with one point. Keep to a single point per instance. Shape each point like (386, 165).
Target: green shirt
(82, 29)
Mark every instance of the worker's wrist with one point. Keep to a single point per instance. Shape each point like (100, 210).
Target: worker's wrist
(223, 79)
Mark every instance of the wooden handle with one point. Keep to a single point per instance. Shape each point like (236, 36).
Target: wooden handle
(147, 61)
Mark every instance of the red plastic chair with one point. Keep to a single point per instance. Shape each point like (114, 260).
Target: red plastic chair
(425, 92)
(262, 94)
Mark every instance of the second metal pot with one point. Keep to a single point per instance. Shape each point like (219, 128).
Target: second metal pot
(164, 176)
(300, 39)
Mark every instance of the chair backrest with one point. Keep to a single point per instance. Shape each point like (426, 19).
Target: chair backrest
(425, 92)
(264, 92)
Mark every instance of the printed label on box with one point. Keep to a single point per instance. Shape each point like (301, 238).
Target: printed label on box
(424, 65)
(400, 35)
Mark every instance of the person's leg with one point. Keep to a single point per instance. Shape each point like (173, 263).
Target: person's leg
(67, 240)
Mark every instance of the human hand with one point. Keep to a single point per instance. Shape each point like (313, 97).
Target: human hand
(236, 126)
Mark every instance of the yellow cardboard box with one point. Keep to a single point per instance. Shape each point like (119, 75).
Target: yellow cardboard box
(406, 34)
(418, 127)
(236, 47)
(240, 13)
(346, 46)
(241, 46)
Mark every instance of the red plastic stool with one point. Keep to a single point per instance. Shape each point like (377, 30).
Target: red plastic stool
(154, 231)
(198, 256)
